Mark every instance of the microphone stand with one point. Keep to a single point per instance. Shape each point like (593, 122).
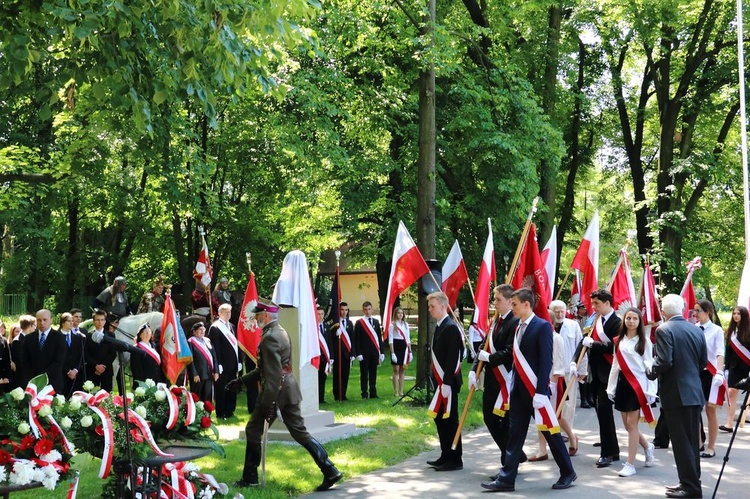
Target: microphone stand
(126, 466)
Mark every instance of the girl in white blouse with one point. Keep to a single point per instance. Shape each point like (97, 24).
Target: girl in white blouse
(400, 343)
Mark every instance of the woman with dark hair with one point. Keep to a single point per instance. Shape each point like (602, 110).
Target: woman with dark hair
(5, 372)
(400, 343)
(147, 366)
(737, 359)
(712, 377)
(629, 388)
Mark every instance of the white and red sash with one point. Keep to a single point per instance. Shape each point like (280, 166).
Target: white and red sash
(545, 418)
(324, 351)
(345, 335)
(742, 352)
(151, 351)
(407, 355)
(718, 392)
(638, 381)
(502, 403)
(599, 335)
(203, 349)
(557, 390)
(370, 333)
(229, 336)
(438, 400)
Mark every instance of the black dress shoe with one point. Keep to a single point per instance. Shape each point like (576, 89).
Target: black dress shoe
(660, 446)
(494, 477)
(436, 462)
(585, 404)
(671, 488)
(499, 486)
(683, 493)
(332, 476)
(603, 462)
(450, 466)
(243, 483)
(565, 482)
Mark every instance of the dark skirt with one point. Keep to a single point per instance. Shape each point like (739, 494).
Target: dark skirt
(399, 348)
(625, 397)
(706, 379)
(738, 373)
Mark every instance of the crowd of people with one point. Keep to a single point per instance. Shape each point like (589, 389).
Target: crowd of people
(532, 368)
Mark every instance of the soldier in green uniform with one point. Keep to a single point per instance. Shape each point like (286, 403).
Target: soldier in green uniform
(279, 394)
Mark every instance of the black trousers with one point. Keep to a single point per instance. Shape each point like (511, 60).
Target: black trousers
(521, 411)
(683, 428)
(226, 400)
(446, 429)
(340, 373)
(322, 376)
(204, 389)
(606, 418)
(368, 375)
(497, 426)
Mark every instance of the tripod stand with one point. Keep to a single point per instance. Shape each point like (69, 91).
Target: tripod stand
(424, 380)
(742, 385)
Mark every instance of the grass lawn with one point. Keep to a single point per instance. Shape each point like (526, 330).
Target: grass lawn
(396, 433)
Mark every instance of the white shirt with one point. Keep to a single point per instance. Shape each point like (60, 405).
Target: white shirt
(394, 335)
(714, 341)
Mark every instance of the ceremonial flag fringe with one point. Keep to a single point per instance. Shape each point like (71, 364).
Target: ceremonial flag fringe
(175, 350)
(248, 333)
(622, 288)
(587, 261)
(688, 293)
(294, 288)
(203, 265)
(408, 266)
(530, 274)
(455, 274)
(549, 263)
(487, 274)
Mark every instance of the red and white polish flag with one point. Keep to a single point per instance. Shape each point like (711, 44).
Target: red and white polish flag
(587, 261)
(455, 274)
(487, 275)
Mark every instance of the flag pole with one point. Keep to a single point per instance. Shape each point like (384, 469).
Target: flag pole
(338, 310)
(508, 279)
(565, 282)
(591, 329)
(206, 289)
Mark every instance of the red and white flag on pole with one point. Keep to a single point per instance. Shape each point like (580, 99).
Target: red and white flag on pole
(248, 332)
(203, 265)
(530, 274)
(688, 293)
(487, 274)
(408, 266)
(649, 298)
(455, 274)
(549, 263)
(587, 261)
(622, 288)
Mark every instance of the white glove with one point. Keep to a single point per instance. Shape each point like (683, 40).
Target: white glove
(483, 355)
(539, 400)
(472, 380)
(360, 358)
(719, 378)
(330, 361)
(351, 361)
(239, 367)
(588, 341)
(394, 359)
(611, 396)
(221, 369)
(573, 369)
(445, 390)
(338, 332)
(649, 363)
(381, 358)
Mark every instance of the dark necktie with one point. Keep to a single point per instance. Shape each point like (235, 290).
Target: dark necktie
(369, 319)
(702, 328)
(42, 339)
(521, 330)
(67, 339)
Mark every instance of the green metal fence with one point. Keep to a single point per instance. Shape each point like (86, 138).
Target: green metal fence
(12, 305)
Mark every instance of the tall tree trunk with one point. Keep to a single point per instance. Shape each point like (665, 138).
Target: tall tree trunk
(426, 184)
(71, 260)
(547, 172)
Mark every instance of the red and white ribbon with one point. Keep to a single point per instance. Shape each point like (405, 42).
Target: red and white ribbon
(545, 418)
(718, 392)
(37, 401)
(189, 405)
(142, 425)
(174, 405)
(93, 401)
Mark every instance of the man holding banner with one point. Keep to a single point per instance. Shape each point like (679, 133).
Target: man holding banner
(532, 363)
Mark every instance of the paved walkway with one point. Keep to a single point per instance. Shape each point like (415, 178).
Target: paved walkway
(413, 478)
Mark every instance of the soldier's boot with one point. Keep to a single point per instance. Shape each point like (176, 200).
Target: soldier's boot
(331, 475)
(250, 471)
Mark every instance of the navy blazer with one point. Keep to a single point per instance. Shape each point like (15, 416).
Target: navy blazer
(536, 347)
(680, 356)
(502, 338)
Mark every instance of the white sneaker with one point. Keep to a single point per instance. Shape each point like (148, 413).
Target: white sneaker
(627, 470)
(649, 455)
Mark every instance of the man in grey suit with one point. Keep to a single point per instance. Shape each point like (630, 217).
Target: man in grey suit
(680, 356)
